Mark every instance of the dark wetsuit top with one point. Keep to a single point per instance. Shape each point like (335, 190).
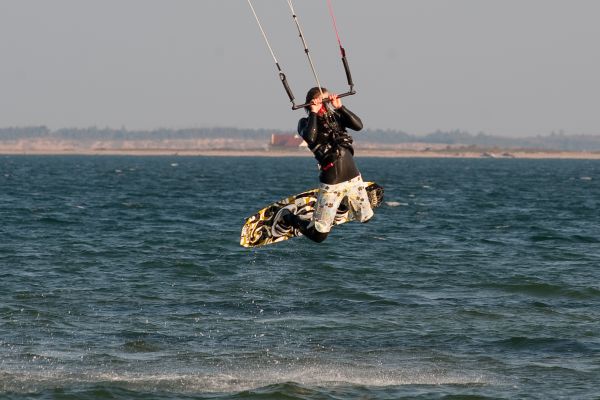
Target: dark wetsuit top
(328, 139)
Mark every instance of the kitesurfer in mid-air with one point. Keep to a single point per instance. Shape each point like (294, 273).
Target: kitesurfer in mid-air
(341, 185)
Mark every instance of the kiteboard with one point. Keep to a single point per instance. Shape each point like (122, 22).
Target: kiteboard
(267, 225)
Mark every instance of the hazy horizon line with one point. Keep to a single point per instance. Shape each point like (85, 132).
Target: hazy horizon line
(560, 132)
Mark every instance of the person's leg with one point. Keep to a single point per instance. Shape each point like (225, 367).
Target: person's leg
(326, 206)
(306, 227)
(317, 229)
(359, 202)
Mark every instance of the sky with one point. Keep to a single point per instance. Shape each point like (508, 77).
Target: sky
(503, 67)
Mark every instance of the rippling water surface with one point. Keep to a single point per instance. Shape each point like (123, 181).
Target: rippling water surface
(122, 277)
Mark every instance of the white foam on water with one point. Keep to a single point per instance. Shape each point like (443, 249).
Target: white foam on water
(238, 379)
(395, 204)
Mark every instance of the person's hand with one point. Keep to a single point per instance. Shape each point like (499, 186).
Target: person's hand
(335, 101)
(315, 105)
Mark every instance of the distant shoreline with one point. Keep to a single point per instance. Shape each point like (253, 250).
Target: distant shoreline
(504, 154)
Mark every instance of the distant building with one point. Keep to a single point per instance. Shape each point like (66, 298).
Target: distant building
(286, 140)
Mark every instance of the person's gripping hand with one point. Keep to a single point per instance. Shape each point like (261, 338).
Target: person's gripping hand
(315, 105)
(335, 101)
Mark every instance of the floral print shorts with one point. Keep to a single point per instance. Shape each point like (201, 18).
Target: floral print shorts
(330, 197)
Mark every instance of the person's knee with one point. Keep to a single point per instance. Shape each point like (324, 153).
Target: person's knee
(366, 217)
(365, 220)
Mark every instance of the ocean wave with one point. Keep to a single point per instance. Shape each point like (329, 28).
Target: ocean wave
(238, 379)
(542, 289)
(545, 344)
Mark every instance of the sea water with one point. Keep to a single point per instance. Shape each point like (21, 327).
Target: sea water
(123, 277)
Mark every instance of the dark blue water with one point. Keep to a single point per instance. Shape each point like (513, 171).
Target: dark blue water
(122, 277)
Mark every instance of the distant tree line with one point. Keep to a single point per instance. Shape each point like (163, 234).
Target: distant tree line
(94, 133)
(553, 141)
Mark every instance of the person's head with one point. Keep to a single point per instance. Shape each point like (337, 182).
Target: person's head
(315, 93)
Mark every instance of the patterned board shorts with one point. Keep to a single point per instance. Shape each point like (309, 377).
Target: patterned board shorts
(330, 197)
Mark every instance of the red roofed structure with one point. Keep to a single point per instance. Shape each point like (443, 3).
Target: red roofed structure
(282, 140)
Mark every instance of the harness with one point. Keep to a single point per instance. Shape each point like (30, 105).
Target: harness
(332, 137)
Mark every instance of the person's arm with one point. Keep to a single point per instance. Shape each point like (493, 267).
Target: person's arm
(349, 119)
(307, 128)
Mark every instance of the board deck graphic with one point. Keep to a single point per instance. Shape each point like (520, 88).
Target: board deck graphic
(267, 226)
